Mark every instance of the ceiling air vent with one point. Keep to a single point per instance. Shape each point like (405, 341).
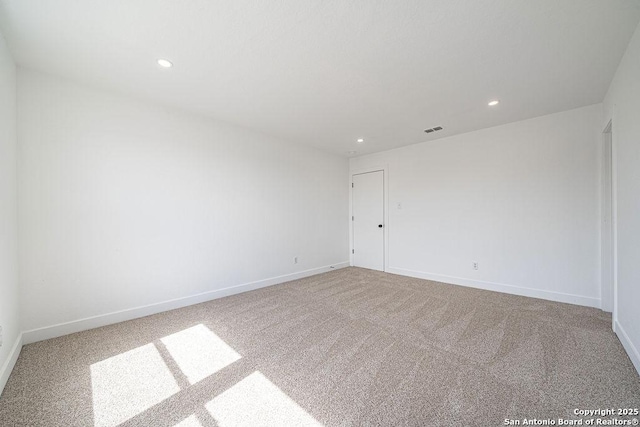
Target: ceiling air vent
(435, 129)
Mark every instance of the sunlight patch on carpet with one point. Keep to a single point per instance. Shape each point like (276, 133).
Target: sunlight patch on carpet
(199, 352)
(192, 421)
(127, 384)
(256, 401)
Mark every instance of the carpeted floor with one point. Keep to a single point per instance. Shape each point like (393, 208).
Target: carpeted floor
(349, 347)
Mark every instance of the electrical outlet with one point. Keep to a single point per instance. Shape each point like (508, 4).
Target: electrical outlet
(295, 259)
(475, 265)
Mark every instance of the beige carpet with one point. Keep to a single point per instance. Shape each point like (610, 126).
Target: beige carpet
(349, 347)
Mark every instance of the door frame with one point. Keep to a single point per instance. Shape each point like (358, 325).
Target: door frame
(608, 127)
(607, 288)
(385, 207)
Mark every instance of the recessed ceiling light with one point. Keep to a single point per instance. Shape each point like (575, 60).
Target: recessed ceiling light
(494, 102)
(360, 140)
(165, 63)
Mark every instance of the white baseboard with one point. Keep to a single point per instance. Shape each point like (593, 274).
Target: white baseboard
(631, 349)
(66, 328)
(500, 287)
(6, 369)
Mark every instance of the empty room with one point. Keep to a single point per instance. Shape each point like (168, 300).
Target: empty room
(221, 213)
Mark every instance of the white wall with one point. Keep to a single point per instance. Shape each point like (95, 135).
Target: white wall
(520, 199)
(125, 204)
(622, 105)
(9, 320)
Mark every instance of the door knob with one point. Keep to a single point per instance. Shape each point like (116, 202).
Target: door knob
(379, 225)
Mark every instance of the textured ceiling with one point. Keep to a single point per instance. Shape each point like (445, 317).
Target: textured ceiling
(325, 72)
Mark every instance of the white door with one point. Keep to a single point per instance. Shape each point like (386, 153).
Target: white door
(368, 220)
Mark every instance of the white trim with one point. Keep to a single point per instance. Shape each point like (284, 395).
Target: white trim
(66, 328)
(609, 126)
(614, 214)
(606, 213)
(5, 372)
(631, 349)
(501, 287)
(385, 174)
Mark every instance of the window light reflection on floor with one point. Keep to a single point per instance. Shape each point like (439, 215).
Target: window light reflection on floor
(256, 401)
(129, 383)
(199, 352)
(192, 421)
